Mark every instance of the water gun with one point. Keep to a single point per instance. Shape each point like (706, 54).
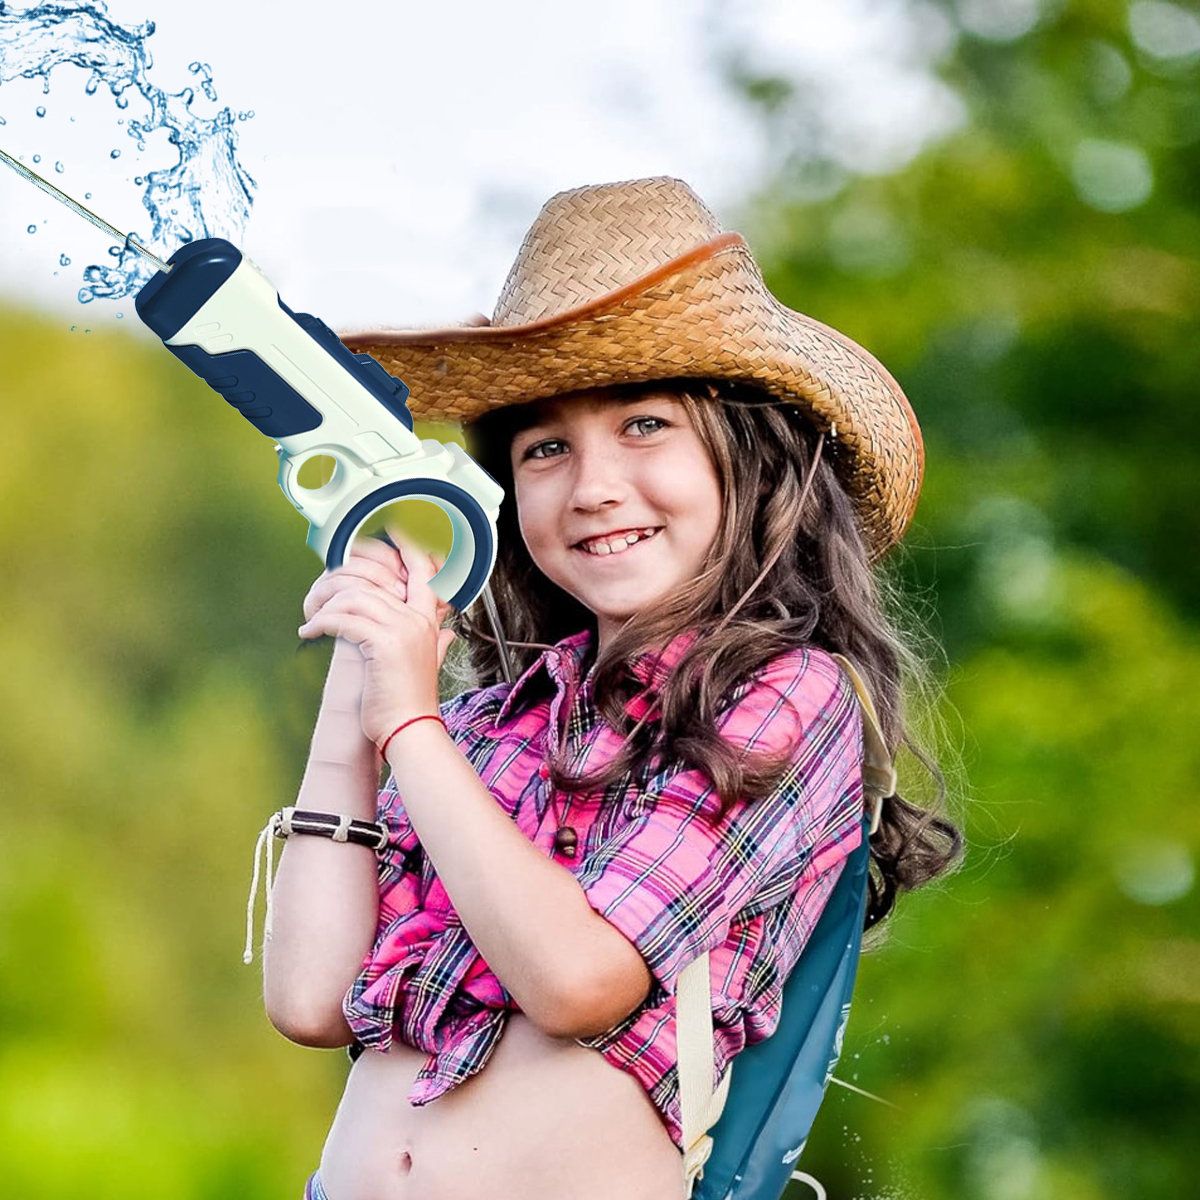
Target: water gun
(291, 377)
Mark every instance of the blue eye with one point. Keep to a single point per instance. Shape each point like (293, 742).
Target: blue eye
(656, 420)
(529, 453)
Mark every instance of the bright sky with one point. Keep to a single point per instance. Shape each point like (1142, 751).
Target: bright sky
(401, 150)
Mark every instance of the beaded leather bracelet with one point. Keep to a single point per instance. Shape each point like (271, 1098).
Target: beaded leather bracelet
(285, 822)
(337, 826)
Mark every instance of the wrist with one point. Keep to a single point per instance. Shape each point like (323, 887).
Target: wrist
(404, 729)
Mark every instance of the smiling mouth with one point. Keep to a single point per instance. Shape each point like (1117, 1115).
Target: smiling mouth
(617, 553)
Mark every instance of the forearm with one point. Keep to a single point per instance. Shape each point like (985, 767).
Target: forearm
(525, 913)
(325, 899)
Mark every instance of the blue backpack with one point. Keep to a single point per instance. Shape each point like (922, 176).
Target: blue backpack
(768, 1099)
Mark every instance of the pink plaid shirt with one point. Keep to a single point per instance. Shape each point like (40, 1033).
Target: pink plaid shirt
(651, 860)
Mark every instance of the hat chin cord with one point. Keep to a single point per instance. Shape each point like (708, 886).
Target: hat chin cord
(489, 606)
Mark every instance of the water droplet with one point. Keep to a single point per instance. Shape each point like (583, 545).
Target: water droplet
(201, 142)
(87, 195)
(63, 261)
(87, 331)
(120, 316)
(73, 328)
(4, 122)
(72, 120)
(31, 229)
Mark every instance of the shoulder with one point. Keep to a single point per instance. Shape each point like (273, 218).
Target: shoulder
(799, 694)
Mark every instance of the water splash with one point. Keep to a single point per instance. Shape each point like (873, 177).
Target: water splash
(205, 193)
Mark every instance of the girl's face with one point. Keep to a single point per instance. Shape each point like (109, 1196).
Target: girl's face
(595, 464)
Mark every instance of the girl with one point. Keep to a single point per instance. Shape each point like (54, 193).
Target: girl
(657, 756)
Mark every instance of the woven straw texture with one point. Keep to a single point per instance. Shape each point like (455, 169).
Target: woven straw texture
(636, 281)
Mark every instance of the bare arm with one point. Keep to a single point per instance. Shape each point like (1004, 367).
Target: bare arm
(325, 899)
(569, 970)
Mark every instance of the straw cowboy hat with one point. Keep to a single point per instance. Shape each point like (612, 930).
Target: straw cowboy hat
(637, 281)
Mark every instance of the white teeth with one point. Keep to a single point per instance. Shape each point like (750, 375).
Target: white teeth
(618, 545)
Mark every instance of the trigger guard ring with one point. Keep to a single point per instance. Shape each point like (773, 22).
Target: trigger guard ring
(472, 511)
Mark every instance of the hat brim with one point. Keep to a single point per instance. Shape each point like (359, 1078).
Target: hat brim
(704, 314)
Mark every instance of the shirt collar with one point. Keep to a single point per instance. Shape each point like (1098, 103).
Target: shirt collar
(562, 664)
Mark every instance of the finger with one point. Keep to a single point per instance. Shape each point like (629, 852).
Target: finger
(367, 575)
(344, 625)
(420, 571)
(444, 607)
(362, 573)
(376, 603)
(382, 610)
(378, 548)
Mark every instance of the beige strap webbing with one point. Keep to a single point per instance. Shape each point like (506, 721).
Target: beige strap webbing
(878, 772)
(700, 1106)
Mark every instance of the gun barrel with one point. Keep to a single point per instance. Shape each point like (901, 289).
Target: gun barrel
(287, 373)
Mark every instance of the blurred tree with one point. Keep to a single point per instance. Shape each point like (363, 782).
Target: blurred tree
(1031, 279)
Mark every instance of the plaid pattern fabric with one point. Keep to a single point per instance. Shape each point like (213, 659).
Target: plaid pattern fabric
(652, 859)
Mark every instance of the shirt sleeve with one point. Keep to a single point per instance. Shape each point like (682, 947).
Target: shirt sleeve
(674, 878)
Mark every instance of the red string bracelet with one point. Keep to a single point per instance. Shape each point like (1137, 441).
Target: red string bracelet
(403, 724)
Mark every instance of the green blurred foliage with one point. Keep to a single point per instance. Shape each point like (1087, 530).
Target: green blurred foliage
(1031, 279)
(1031, 1019)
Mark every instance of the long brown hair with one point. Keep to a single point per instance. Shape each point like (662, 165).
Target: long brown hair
(788, 568)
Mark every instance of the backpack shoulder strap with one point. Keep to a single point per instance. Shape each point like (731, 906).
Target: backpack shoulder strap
(700, 1106)
(879, 772)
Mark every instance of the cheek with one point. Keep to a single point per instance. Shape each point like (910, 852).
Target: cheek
(696, 491)
(531, 519)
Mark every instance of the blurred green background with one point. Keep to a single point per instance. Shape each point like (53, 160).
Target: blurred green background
(1032, 282)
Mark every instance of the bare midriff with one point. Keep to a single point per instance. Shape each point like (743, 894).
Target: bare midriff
(544, 1118)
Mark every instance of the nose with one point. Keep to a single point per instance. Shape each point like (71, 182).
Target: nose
(601, 475)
